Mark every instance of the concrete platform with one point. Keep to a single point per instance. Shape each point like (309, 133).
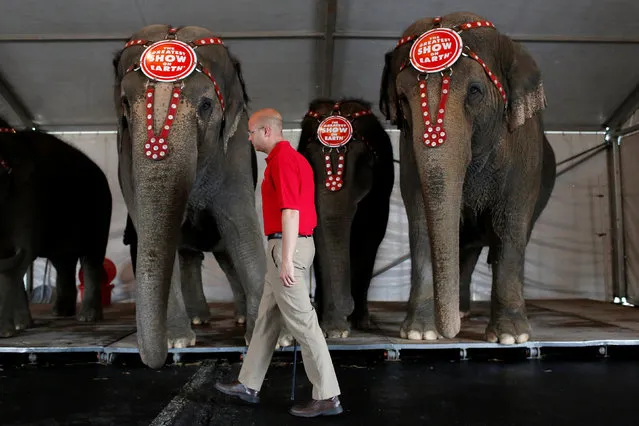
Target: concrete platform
(556, 323)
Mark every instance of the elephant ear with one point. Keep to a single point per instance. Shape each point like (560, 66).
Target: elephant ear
(236, 101)
(526, 95)
(388, 103)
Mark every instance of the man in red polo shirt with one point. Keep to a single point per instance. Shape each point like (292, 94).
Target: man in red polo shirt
(288, 206)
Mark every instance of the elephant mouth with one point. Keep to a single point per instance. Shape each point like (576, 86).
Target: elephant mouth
(10, 261)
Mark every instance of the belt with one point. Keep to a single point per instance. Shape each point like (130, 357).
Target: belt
(278, 236)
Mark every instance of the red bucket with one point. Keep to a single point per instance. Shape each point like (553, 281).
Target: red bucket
(110, 272)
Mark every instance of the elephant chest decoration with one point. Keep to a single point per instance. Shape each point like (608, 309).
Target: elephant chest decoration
(436, 51)
(335, 132)
(168, 61)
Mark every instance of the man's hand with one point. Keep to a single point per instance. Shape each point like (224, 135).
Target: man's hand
(290, 226)
(287, 273)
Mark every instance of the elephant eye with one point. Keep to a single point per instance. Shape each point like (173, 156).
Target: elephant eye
(205, 106)
(475, 89)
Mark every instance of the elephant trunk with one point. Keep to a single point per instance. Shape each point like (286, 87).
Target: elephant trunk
(160, 197)
(442, 171)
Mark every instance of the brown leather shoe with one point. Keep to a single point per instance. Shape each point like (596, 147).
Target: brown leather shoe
(237, 389)
(314, 408)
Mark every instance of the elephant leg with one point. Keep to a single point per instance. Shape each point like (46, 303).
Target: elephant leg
(66, 292)
(419, 323)
(14, 305)
(21, 313)
(192, 290)
(240, 231)
(368, 229)
(94, 275)
(179, 332)
(468, 257)
(239, 297)
(130, 238)
(508, 320)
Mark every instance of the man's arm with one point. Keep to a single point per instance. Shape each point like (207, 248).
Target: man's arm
(290, 230)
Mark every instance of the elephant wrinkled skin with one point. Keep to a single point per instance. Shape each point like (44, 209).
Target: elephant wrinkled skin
(352, 220)
(55, 203)
(486, 185)
(200, 197)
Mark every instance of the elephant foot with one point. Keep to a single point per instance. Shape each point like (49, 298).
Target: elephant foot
(508, 328)
(90, 314)
(180, 338)
(23, 320)
(336, 329)
(199, 314)
(285, 339)
(361, 320)
(64, 309)
(240, 319)
(418, 329)
(7, 329)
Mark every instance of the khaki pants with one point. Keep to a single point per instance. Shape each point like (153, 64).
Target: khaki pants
(289, 306)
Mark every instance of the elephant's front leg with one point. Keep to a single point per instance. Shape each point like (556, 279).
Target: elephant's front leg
(419, 323)
(508, 321)
(192, 291)
(14, 306)
(240, 231)
(179, 332)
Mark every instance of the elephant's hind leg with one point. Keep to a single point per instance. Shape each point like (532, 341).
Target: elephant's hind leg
(468, 257)
(239, 297)
(94, 275)
(179, 332)
(66, 293)
(191, 278)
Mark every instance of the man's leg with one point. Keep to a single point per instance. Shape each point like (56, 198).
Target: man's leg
(300, 318)
(260, 350)
(267, 329)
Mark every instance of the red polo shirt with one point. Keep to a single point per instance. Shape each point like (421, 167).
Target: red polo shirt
(288, 184)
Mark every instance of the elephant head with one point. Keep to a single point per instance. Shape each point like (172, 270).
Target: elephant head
(347, 171)
(458, 95)
(178, 108)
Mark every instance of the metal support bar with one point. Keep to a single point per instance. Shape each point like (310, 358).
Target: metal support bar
(526, 38)
(330, 22)
(391, 265)
(616, 216)
(623, 111)
(372, 35)
(627, 131)
(16, 103)
(231, 35)
(583, 159)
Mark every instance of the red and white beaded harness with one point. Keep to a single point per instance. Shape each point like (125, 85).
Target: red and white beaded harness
(3, 163)
(334, 179)
(434, 133)
(156, 146)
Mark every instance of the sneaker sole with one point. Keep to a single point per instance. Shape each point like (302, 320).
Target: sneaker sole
(329, 412)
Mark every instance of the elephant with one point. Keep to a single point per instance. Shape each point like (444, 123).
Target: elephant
(192, 185)
(55, 203)
(352, 199)
(475, 172)
(196, 305)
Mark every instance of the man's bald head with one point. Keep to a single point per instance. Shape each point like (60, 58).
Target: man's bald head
(267, 117)
(265, 129)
